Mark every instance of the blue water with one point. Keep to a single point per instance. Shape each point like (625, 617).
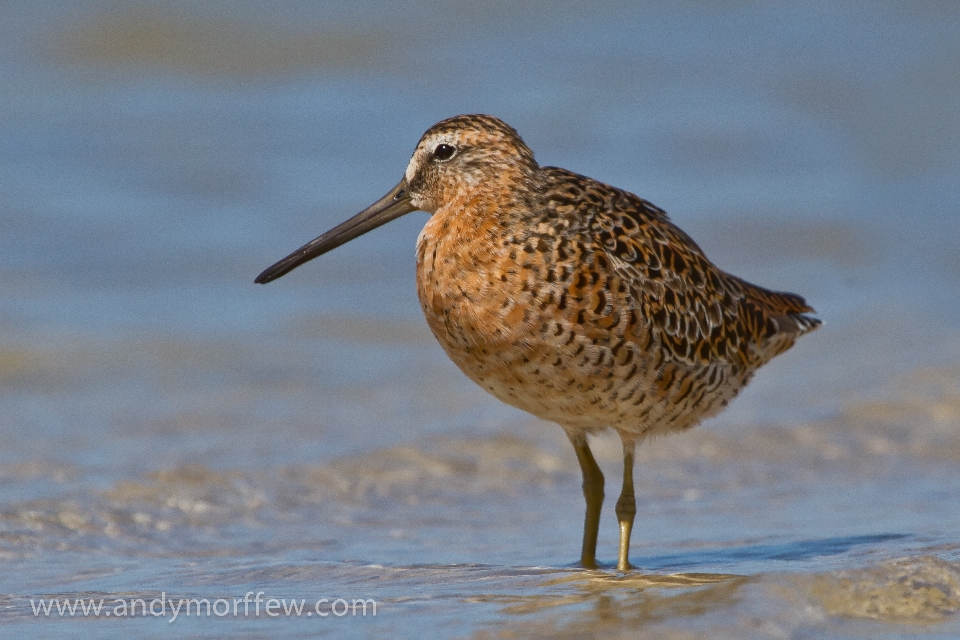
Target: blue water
(168, 426)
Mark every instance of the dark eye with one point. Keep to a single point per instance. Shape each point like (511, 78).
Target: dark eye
(444, 152)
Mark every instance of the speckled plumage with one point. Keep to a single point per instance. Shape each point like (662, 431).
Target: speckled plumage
(578, 302)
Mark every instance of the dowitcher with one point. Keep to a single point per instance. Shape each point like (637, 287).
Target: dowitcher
(578, 302)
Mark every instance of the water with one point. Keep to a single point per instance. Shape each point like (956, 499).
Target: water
(169, 430)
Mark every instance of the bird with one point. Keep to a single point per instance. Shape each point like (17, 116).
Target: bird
(570, 299)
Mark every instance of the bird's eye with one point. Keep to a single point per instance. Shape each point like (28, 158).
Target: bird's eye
(444, 152)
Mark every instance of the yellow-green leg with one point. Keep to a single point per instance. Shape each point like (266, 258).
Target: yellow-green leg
(593, 494)
(626, 507)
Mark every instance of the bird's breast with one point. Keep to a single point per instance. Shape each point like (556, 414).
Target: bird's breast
(465, 285)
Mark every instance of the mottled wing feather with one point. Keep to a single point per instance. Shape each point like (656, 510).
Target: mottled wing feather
(790, 311)
(696, 312)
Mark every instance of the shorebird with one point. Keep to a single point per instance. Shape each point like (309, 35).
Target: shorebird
(570, 299)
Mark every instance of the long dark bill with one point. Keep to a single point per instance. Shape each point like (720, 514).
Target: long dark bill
(390, 207)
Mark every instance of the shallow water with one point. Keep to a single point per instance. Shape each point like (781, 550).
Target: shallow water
(169, 430)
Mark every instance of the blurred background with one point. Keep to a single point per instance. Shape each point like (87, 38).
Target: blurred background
(166, 425)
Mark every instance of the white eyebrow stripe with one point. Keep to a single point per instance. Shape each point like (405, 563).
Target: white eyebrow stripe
(426, 148)
(411, 168)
